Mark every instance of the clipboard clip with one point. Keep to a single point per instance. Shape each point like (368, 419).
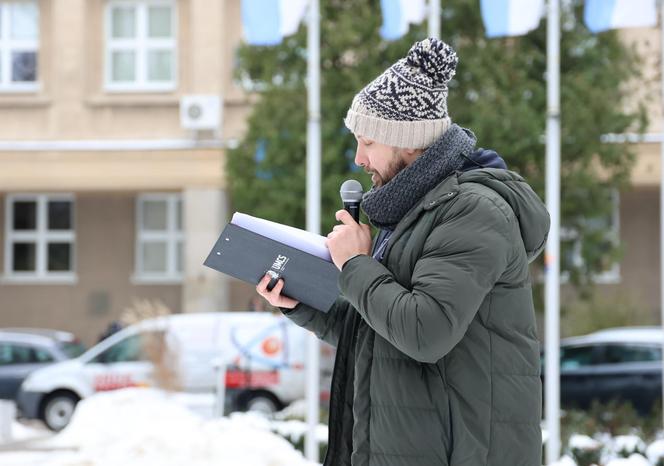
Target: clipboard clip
(274, 279)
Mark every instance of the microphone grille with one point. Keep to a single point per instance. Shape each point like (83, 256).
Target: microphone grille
(351, 191)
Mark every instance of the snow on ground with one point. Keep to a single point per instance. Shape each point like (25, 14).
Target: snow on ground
(39, 459)
(633, 460)
(612, 449)
(564, 461)
(629, 443)
(146, 427)
(655, 450)
(583, 442)
(23, 431)
(297, 409)
(295, 430)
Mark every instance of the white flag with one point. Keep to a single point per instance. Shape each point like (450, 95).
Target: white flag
(601, 15)
(398, 15)
(267, 22)
(511, 17)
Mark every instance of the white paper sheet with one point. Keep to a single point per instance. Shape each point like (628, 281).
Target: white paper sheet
(290, 236)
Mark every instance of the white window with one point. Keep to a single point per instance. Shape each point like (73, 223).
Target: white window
(140, 45)
(40, 237)
(19, 45)
(159, 238)
(607, 231)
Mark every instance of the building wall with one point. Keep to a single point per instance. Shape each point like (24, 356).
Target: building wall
(636, 294)
(647, 88)
(114, 171)
(640, 263)
(72, 104)
(104, 264)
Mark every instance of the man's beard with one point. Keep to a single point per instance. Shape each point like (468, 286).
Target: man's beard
(395, 166)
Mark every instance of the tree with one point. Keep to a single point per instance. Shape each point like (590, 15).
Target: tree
(499, 92)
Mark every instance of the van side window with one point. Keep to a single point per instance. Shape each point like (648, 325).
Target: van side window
(126, 350)
(133, 348)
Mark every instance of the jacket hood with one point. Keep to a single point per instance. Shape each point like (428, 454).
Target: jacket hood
(530, 211)
(483, 158)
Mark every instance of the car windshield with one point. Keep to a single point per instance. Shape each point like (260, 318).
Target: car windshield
(72, 349)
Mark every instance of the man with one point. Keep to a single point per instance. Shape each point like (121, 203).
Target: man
(437, 352)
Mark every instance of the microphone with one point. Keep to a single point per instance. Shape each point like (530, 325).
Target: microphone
(351, 195)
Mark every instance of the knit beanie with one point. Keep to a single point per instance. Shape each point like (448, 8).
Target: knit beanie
(406, 106)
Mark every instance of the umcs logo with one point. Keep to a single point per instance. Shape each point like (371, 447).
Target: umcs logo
(280, 263)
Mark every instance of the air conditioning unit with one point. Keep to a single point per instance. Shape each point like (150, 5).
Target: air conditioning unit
(200, 112)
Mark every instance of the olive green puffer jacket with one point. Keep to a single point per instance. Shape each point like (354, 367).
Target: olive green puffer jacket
(437, 352)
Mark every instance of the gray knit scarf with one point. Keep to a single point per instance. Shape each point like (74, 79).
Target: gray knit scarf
(386, 206)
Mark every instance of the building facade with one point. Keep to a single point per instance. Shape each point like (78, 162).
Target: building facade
(628, 292)
(107, 195)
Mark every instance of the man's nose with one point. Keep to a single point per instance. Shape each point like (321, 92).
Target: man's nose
(360, 157)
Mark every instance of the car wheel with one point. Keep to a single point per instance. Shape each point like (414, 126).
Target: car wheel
(263, 402)
(58, 410)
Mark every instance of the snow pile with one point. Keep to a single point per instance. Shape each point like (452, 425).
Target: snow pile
(604, 450)
(201, 404)
(655, 451)
(633, 460)
(141, 427)
(628, 443)
(296, 430)
(625, 445)
(297, 409)
(564, 461)
(18, 432)
(585, 450)
(22, 432)
(583, 442)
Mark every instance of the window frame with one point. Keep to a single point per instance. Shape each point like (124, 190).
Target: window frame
(8, 45)
(172, 236)
(41, 236)
(140, 45)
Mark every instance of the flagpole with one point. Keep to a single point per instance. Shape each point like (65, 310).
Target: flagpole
(661, 192)
(313, 214)
(552, 256)
(434, 18)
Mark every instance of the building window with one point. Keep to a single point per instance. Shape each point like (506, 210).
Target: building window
(160, 239)
(40, 237)
(19, 45)
(140, 45)
(606, 230)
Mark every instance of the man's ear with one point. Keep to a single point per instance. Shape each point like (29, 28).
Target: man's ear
(411, 154)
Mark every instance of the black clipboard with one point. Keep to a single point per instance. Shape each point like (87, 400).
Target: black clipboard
(248, 256)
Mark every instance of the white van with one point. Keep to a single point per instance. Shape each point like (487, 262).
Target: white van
(264, 356)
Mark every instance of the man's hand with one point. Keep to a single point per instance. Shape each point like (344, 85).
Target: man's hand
(274, 297)
(349, 239)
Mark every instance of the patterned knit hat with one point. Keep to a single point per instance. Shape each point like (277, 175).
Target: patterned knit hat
(406, 106)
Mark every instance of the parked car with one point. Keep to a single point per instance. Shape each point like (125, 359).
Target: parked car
(264, 356)
(622, 364)
(24, 350)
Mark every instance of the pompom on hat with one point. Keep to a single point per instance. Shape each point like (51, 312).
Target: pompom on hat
(406, 106)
